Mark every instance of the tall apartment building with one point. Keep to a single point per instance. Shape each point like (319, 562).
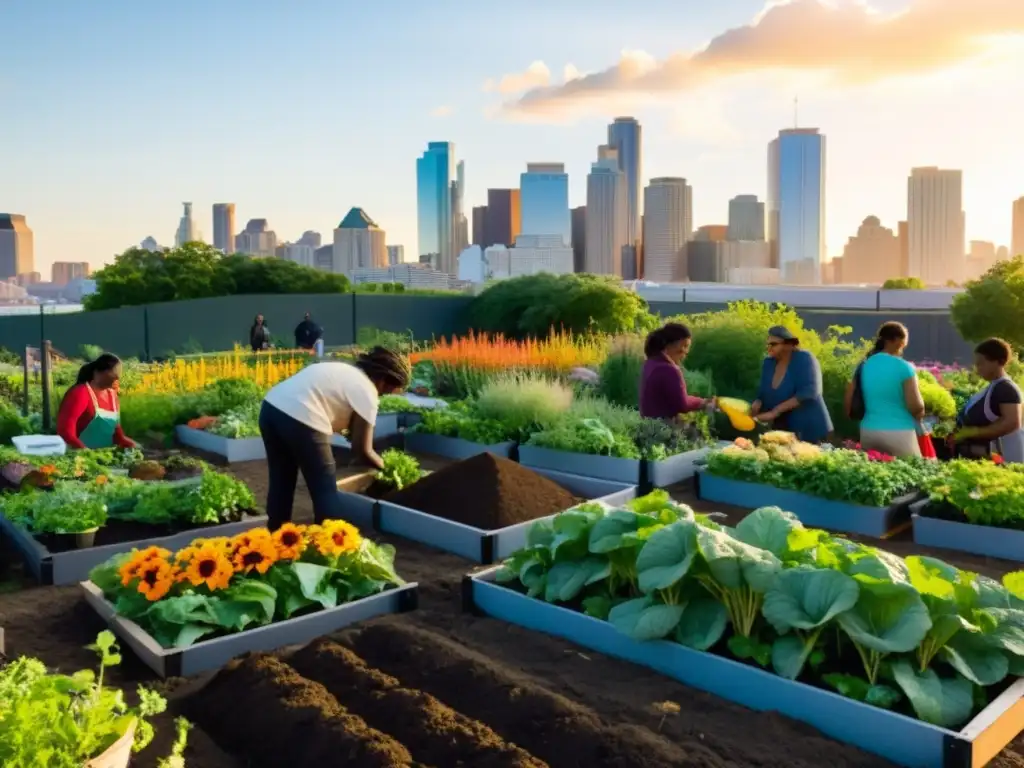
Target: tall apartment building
(359, 244)
(579, 238)
(63, 272)
(606, 214)
(503, 217)
(188, 229)
(746, 218)
(625, 135)
(668, 221)
(396, 255)
(224, 227)
(257, 239)
(872, 256)
(1017, 240)
(935, 224)
(17, 246)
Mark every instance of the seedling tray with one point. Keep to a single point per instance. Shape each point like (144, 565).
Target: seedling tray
(73, 566)
(901, 739)
(207, 655)
(244, 449)
(454, 447)
(814, 512)
(1005, 543)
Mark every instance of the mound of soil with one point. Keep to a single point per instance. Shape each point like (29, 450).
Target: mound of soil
(485, 491)
(263, 709)
(432, 731)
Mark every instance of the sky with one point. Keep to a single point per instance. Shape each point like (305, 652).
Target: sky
(113, 113)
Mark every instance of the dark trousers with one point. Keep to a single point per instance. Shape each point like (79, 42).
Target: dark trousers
(292, 446)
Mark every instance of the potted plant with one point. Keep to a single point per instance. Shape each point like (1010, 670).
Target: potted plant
(74, 719)
(76, 513)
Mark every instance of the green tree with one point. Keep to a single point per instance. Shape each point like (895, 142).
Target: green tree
(197, 270)
(903, 284)
(993, 305)
(578, 303)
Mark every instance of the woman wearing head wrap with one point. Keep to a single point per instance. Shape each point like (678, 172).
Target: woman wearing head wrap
(300, 415)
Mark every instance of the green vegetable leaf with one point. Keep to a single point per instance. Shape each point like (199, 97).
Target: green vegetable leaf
(805, 598)
(643, 619)
(946, 702)
(667, 556)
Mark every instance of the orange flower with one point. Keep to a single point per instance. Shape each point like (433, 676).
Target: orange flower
(289, 541)
(48, 469)
(156, 577)
(132, 567)
(257, 552)
(337, 537)
(101, 480)
(206, 564)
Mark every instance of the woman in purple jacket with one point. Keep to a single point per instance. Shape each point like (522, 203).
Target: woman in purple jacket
(662, 386)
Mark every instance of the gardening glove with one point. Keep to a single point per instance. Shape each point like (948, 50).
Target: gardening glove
(965, 433)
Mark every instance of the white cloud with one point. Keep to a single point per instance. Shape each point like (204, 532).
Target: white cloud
(442, 111)
(534, 76)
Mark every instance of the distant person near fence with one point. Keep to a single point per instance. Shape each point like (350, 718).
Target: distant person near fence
(308, 333)
(259, 335)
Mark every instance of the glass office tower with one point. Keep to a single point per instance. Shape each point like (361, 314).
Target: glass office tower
(544, 201)
(435, 180)
(796, 205)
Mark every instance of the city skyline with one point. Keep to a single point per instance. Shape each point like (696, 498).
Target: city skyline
(116, 175)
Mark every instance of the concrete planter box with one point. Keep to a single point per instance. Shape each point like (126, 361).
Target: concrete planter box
(477, 544)
(245, 449)
(581, 464)
(987, 540)
(212, 654)
(898, 738)
(814, 512)
(453, 447)
(73, 566)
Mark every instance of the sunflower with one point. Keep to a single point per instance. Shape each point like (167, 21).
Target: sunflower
(256, 553)
(207, 564)
(289, 541)
(156, 577)
(132, 567)
(336, 537)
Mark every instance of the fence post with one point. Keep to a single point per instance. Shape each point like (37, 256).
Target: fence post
(25, 387)
(44, 364)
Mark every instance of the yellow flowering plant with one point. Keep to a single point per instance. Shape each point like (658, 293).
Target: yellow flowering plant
(216, 586)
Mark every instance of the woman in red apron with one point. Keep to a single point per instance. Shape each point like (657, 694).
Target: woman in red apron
(89, 416)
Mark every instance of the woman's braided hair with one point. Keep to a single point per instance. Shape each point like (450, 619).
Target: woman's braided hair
(383, 363)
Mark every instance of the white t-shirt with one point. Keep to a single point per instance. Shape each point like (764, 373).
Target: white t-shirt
(323, 396)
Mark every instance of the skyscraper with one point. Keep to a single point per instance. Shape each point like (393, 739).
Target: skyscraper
(359, 244)
(1017, 241)
(935, 225)
(503, 220)
(17, 246)
(188, 230)
(479, 224)
(607, 210)
(63, 272)
(746, 218)
(396, 255)
(796, 204)
(435, 181)
(544, 200)
(579, 238)
(257, 239)
(668, 219)
(460, 224)
(626, 136)
(224, 227)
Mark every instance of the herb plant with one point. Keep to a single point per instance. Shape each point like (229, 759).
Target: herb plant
(400, 470)
(977, 492)
(913, 635)
(62, 721)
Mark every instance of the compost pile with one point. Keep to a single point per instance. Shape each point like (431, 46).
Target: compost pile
(485, 491)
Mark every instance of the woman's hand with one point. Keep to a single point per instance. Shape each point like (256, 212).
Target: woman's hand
(755, 408)
(768, 416)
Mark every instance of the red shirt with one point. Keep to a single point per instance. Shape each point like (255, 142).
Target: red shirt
(76, 411)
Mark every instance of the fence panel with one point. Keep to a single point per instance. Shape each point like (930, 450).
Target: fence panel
(121, 331)
(424, 316)
(20, 331)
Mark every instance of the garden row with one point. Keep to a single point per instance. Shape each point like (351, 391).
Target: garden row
(911, 659)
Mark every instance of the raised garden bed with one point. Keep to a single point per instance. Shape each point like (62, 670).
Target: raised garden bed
(896, 737)
(249, 448)
(880, 522)
(206, 655)
(660, 474)
(453, 447)
(476, 491)
(988, 540)
(72, 566)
